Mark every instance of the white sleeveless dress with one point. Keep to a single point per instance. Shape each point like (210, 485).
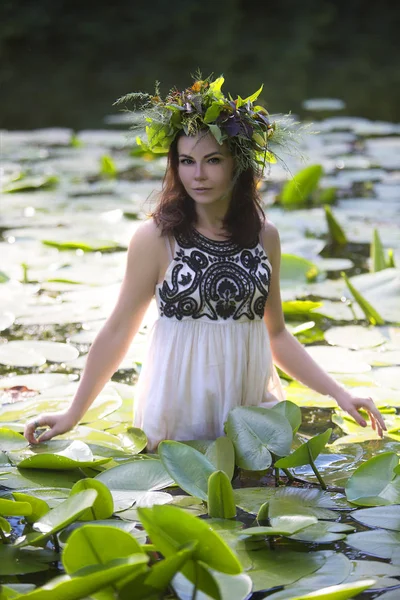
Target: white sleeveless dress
(209, 349)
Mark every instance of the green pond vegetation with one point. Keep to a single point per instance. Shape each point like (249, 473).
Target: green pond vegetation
(296, 501)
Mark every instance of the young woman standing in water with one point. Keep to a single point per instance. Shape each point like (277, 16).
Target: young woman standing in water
(212, 260)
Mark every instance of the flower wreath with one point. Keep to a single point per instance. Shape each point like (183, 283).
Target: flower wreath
(246, 126)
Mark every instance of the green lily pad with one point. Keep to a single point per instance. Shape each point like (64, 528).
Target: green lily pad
(188, 467)
(85, 547)
(255, 433)
(374, 483)
(221, 454)
(140, 475)
(38, 506)
(381, 543)
(11, 440)
(88, 581)
(60, 517)
(323, 533)
(49, 351)
(386, 517)
(343, 591)
(20, 561)
(354, 337)
(76, 455)
(103, 506)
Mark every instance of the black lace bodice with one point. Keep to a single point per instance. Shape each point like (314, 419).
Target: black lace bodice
(214, 280)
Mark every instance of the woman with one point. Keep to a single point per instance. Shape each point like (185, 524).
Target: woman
(212, 260)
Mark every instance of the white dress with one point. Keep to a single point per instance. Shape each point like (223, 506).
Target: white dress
(209, 349)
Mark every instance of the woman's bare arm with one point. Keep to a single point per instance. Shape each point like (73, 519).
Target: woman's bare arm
(292, 357)
(115, 337)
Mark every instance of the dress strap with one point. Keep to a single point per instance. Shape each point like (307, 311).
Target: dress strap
(168, 243)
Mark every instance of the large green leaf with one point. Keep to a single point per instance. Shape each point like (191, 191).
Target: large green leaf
(188, 467)
(343, 591)
(301, 456)
(170, 528)
(221, 502)
(139, 474)
(256, 433)
(38, 506)
(156, 580)
(298, 189)
(297, 501)
(381, 543)
(374, 483)
(11, 440)
(387, 517)
(296, 269)
(103, 506)
(323, 532)
(86, 546)
(10, 508)
(76, 455)
(221, 453)
(89, 580)
(292, 413)
(18, 561)
(65, 513)
(234, 587)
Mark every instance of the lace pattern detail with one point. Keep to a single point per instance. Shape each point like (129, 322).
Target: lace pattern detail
(215, 280)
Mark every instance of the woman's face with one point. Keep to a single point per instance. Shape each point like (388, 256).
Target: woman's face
(205, 168)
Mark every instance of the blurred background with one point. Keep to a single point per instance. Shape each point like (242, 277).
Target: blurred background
(64, 62)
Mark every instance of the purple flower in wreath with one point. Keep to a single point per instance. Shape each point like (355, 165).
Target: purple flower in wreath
(225, 306)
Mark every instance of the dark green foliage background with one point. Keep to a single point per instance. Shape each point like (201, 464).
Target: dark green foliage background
(64, 62)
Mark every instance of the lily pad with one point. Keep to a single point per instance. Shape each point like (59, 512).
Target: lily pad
(387, 517)
(354, 337)
(140, 475)
(255, 433)
(374, 483)
(380, 542)
(188, 467)
(76, 455)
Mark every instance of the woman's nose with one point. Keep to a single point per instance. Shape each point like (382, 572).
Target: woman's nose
(199, 171)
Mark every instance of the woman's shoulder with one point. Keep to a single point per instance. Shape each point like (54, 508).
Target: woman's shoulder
(147, 235)
(270, 238)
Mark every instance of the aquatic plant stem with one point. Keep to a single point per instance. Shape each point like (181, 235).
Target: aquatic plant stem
(56, 543)
(314, 468)
(3, 537)
(288, 474)
(194, 592)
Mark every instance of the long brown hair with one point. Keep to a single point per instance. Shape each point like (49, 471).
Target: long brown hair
(175, 212)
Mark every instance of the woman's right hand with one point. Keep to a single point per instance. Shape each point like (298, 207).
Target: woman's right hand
(58, 423)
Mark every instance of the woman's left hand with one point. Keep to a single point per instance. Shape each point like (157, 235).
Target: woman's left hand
(352, 404)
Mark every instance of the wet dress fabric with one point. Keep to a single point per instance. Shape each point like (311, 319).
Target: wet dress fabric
(209, 349)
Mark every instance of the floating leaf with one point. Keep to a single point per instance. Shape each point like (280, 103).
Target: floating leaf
(145, 475)
(10, 508)
(343, 591)
(323, 533)
(374, 483)
(381, 543)
(354, 337)
(76, 455)
(295, 269)
(387, 517)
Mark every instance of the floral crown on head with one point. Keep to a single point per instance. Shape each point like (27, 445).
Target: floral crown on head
(244, 125)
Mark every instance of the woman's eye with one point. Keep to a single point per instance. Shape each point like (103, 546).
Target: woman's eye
(186, 161)
(214, 160)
